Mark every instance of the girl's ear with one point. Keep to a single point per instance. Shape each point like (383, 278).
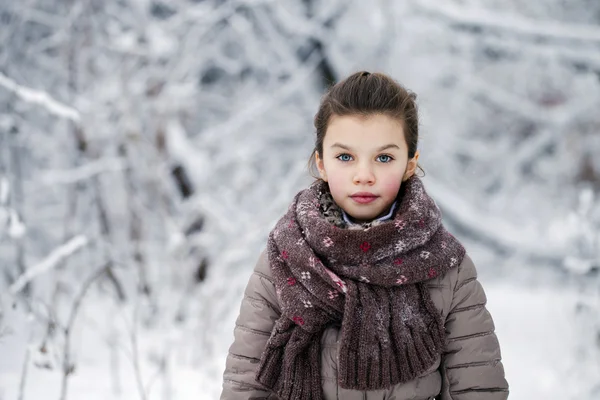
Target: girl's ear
(320, 166)
(413, 163)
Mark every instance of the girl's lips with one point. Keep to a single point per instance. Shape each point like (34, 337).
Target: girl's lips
(363, 198)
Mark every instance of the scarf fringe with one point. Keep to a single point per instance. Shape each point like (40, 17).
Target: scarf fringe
(286, 365)
(412, 359)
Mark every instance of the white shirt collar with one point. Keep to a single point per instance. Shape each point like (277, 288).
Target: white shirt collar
(385, 217)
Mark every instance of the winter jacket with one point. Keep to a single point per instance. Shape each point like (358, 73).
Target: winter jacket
(469, 369)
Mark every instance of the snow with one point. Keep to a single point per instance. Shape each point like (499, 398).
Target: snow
(16, 227)
(542, 343)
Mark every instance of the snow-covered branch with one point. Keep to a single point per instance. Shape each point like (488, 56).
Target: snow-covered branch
(49, 262)
(40, 98)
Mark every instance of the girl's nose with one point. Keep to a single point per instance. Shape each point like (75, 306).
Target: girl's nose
(364, 175)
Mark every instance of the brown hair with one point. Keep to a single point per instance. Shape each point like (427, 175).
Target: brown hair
(366, 94)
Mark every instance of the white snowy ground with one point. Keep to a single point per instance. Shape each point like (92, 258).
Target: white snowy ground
(544, 344)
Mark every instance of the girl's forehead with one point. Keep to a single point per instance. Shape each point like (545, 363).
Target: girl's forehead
(371, 131)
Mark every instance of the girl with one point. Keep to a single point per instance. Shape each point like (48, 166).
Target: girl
(362, 293)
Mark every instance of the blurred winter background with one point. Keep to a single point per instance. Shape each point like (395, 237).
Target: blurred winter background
(147, 148)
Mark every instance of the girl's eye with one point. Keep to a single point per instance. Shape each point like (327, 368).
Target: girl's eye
(344, 157)
(384, 158)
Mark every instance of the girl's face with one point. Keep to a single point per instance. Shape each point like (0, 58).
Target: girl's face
(364, 161)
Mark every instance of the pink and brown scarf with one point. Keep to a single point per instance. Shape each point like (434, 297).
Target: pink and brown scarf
(371, 282)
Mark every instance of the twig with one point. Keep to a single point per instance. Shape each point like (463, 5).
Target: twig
(135, 224)
(25, 369)
(105, 229)
(135, 352)
(68, 367)
(162, 367)
(18, 200)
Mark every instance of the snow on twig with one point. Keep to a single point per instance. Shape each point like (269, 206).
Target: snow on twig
(41, 98)
(4, 190)
(49, 262)
(510, 22)
(83, 172)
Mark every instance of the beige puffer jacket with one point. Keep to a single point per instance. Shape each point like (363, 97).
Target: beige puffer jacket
(470, 369)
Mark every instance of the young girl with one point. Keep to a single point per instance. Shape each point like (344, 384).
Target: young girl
(362, 293)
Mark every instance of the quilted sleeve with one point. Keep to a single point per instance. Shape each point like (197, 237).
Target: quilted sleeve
(471, 366)
(258, 313)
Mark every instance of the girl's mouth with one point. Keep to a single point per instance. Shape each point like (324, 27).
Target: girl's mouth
(363, 197)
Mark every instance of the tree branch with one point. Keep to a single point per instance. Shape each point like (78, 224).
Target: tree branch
(40, 98)
(49, 262)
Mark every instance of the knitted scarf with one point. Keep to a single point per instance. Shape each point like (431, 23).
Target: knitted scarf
(371, 282)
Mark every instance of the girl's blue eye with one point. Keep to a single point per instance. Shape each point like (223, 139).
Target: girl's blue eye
(344, 157)
(384, 158)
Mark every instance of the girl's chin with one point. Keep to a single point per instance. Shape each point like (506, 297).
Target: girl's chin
(360, 217)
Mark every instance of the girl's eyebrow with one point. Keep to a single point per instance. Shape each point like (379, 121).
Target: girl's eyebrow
(343, 146)
(388, 146)
(384, 147)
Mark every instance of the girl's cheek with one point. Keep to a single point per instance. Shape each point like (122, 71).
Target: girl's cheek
(335, 185)
(392, 185)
